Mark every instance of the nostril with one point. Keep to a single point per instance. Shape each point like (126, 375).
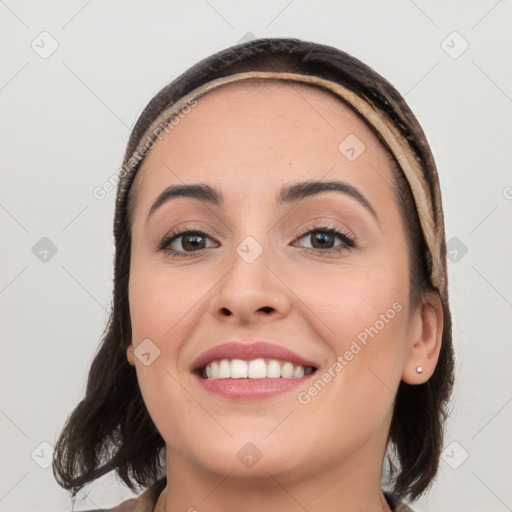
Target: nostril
(267, 309)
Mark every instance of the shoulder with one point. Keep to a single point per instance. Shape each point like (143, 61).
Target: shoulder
(144, 503)
(396, 503)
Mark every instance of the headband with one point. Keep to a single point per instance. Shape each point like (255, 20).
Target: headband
(430, 216)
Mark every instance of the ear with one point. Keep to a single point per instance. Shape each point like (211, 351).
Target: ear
(426, 334)
(129, 354)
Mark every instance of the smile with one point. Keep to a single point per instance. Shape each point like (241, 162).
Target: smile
(251, 370)
(259, 368)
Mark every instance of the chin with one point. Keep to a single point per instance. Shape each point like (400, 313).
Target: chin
(244, 456)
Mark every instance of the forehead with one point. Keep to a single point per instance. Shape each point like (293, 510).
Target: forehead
(262, 133)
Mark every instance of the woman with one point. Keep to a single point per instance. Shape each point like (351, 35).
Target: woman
(280, 323)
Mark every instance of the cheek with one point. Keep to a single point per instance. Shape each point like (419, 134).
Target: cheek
(160, 305)
(164, 308)
(160, 308)
(363, 318)
(349, 300)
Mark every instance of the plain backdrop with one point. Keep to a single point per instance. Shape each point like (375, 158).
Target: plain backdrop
(75, 76)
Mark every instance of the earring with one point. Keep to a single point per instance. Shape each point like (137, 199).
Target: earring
(419, 369)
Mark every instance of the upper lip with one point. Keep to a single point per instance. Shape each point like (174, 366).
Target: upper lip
(249, 351)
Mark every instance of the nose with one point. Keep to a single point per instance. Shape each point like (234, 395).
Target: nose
(251, 291)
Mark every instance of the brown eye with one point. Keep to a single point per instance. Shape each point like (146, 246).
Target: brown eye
(178, 244)
(192, 242)
(323, 239)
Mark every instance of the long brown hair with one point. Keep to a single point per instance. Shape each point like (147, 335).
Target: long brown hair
(110, 429)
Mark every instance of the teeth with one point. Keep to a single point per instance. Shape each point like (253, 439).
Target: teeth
(298, 372)
(273, 369)
(224, 369)
(287, 371)
(254, 369)
(238, 369)
(214, 370)
(257, 369)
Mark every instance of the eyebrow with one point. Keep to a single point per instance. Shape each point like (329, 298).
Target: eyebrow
(287, 193)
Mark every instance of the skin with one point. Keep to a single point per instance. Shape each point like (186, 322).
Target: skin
(327, 454)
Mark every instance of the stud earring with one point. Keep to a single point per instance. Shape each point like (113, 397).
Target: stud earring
(419, 369)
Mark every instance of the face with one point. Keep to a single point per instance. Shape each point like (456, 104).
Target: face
(311, 290)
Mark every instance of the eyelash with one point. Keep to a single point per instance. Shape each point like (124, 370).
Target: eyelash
(348, 242)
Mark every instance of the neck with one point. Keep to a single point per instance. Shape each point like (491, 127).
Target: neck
(349, 487)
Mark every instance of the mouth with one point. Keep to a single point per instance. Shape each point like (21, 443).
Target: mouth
(251, 371)
(259, 368)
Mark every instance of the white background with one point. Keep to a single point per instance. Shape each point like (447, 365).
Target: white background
(65, 121)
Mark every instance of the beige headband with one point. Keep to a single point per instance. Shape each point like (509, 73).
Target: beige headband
(431, 219)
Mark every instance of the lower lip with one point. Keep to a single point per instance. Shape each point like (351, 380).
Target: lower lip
(247, 389)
